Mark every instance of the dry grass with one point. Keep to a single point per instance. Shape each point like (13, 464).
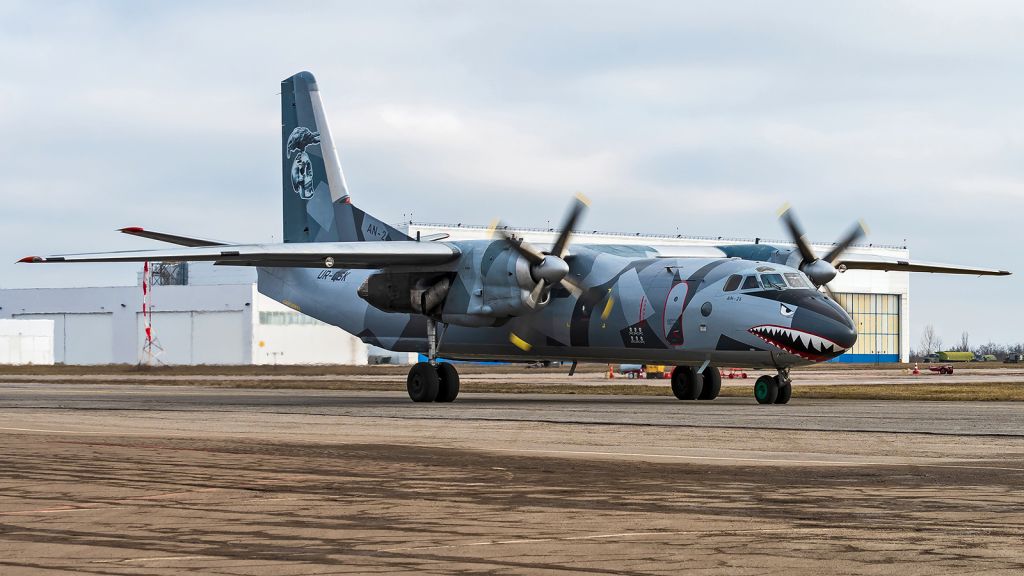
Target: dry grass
(984, 391)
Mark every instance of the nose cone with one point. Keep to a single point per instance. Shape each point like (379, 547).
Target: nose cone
(818, 315)
(820, 329)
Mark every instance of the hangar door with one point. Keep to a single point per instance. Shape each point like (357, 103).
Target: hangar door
(80, 338)
(197, 337)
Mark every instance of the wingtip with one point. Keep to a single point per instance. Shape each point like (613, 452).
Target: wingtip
(132, 229)
(583, 199)
(30, 260)
(783, 209)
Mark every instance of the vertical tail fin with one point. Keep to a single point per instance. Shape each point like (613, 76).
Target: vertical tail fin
(316, 202)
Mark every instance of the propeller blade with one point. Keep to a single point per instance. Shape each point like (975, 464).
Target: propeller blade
(797, 234)
(532, 255)
(536, 295)
(856, 233)
(832, 295)
(572, 286)
(575, 211)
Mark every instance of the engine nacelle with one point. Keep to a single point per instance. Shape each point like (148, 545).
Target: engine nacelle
(411, 293)
(497, 284)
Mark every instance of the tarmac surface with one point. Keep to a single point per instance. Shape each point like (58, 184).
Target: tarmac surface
(126, 479)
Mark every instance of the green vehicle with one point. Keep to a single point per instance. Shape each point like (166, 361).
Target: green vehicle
(955, 356)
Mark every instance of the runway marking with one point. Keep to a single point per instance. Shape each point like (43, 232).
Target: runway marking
(591, 453)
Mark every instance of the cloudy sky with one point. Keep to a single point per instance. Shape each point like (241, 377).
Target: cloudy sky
(691, 117)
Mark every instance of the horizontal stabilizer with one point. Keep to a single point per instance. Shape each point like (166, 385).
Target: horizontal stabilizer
(302, 255)
(169, 238)
(871, 262)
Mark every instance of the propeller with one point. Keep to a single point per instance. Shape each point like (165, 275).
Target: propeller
(548, 268)
(820, 271)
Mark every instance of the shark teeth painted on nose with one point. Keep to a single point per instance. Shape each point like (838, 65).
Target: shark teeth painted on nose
(797, 342)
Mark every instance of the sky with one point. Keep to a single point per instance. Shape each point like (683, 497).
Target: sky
(698, 118)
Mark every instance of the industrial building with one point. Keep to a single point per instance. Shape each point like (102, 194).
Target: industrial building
(205, 314)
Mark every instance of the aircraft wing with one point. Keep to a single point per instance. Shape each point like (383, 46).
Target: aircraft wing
(301, 255)
(170, 238)
(873, 262)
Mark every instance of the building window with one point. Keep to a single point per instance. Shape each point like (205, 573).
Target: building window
(288, 319)
(877, 317)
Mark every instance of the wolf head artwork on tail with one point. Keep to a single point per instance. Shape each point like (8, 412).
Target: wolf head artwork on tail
(317, 206)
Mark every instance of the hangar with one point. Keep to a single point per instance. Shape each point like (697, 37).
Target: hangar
(202, 314)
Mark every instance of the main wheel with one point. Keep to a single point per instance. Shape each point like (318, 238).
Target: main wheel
(686, 383)
(785, 393)
(766, 389)
(422, 382)
(448, 383)
(712, 384)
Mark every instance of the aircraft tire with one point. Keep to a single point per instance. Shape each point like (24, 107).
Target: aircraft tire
(686, 383)
(785, 393)
(712, 384)
(766, 389)
(448, 383)
(422, 382)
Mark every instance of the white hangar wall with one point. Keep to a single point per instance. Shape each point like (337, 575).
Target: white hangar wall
(203, 322)
(26, 342)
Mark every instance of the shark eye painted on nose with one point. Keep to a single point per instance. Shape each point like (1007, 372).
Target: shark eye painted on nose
(786, 310)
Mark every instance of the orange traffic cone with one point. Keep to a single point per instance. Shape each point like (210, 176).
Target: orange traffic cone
(915, 371)
(611, 374)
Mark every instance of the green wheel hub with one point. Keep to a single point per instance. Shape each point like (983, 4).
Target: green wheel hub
(761, 390)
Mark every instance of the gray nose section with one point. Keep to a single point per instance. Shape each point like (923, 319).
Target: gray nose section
(819, 315)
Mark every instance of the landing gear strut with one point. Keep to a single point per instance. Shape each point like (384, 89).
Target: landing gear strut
(430, 381)
(774, 389)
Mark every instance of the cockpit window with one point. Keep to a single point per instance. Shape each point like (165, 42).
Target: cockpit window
(750, 283)
(796, 280)
(732, 283)
(773, 281)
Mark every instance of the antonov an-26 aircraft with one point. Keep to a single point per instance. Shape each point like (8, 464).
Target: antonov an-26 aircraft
(747, 305)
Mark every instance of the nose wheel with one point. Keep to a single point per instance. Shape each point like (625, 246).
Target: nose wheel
(774, 389)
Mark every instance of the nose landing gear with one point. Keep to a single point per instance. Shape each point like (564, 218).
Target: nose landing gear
(774, 389)
(430, 381)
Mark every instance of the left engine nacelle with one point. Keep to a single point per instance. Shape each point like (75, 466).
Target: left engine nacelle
(497, 284)
(411, 293)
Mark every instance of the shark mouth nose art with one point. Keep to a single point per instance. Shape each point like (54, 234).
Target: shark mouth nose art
(797, 342)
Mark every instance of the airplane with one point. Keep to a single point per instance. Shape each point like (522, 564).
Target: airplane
(696, 308)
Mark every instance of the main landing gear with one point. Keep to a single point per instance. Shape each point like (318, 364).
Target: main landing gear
(431, 381)
(774, 389)
(688, 384)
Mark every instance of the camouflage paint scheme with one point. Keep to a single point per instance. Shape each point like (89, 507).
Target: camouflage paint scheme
(636, 306)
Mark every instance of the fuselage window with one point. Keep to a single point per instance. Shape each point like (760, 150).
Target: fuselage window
(796, 280)
(773, 281)
(732, 283)
(751, 283)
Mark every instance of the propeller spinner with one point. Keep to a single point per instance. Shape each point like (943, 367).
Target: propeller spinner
(820, 271)
(548, 268)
